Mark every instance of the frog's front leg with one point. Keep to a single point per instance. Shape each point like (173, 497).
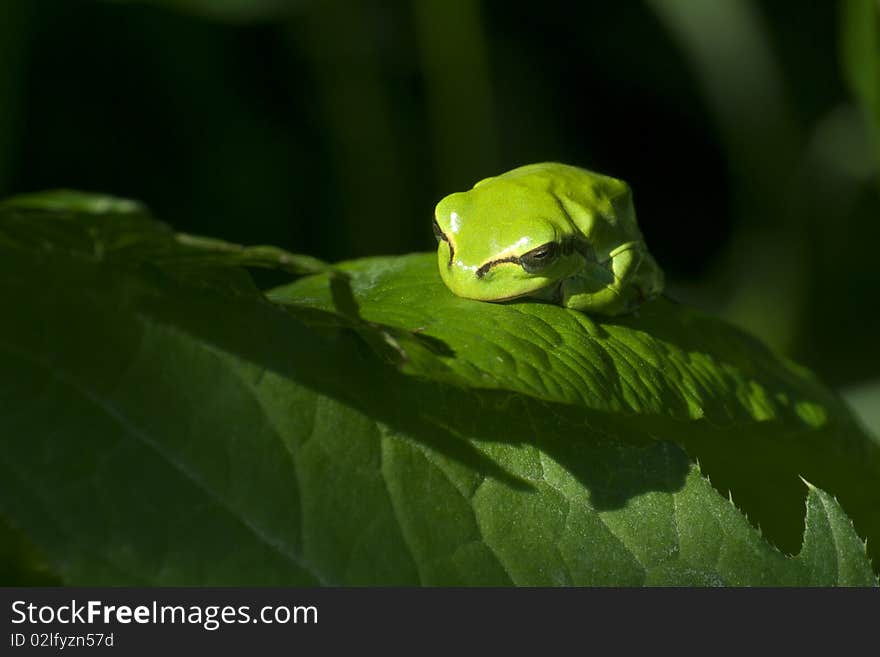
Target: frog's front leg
(628, 277)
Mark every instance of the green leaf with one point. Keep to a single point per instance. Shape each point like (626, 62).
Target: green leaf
(163, 422)
(864, 399)
(832, 550)
(755, 422)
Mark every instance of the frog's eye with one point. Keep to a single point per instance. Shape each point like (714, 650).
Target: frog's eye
(540, 258)
(439, 234)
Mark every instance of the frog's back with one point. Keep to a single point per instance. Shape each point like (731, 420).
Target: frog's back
(599, 205)
(567, 182)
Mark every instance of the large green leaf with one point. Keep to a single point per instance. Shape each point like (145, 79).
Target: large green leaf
(165, 423)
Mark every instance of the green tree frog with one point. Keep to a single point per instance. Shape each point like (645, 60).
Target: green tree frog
(547, 231)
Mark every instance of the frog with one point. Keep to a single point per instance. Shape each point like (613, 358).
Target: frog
(548, 232)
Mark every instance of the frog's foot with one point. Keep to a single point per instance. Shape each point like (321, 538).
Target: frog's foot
(552, 293)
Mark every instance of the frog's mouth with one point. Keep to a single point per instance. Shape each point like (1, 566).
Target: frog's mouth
(551, 293)
(481, 271)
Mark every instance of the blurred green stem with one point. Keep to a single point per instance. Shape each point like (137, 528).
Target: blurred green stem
(860, 56)
(372, 185)
(457, 81)
(726, 45)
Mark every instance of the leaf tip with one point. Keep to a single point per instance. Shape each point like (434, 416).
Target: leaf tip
(809, 486)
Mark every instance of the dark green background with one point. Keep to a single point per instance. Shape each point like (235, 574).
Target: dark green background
(332, 128)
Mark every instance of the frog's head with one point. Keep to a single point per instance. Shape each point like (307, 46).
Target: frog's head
(502, 240)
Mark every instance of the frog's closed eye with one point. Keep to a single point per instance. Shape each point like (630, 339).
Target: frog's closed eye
(540, 258)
